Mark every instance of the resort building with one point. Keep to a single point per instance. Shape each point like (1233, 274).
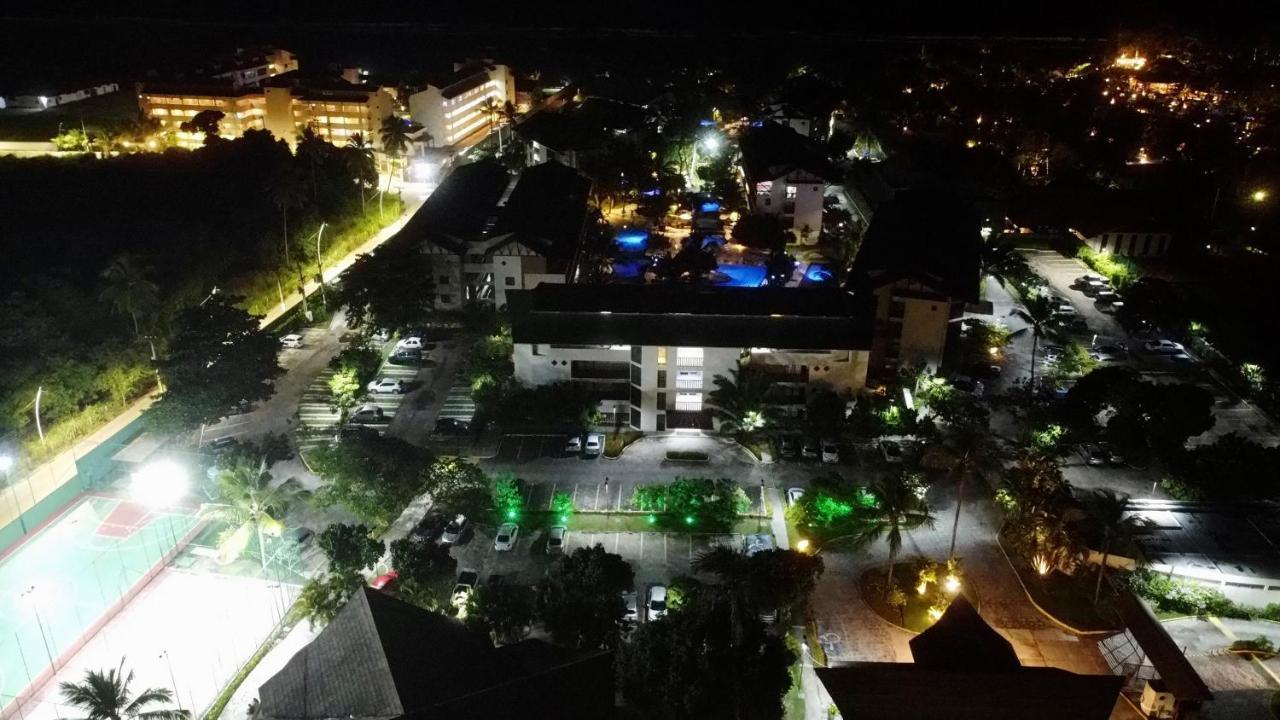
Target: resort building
(285, 105)
(487, 237)
(786, 175)
(652, 352)
(459, 109)
(249, 67)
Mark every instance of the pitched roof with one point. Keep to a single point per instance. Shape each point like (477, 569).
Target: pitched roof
(460, 207)
(922, 234)
(795, 318)
(368, 663)
(772, 150)
(1165, 655)
(962, 641)
(546, 210)
(903, 691)
(559, 130)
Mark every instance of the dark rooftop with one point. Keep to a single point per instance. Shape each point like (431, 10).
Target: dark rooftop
(795, 318)
(460, 207)
(197, 88)
(384, 658)
(774, 150)
(546, 210)
(559, 130)
(1160, 649)
(962, 641)
(928, 235)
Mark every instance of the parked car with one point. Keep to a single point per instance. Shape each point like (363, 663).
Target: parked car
(409, 343)
(812, 449)
(656, 605)
(366, 415)
(629, 601)
(1093, 454)
(1105, 297)
(381, 335)
(555, 539)
(393, 386)
(454, 530)
(356, 432)
(1112, 307)
(1103, 356)
(757, 542)
(794, 495)
(1085, 279)
(964, 383)
(505, 540)
(300, 536)
(452, 426)
(830, 452)
(892, 451)
(789, 447)
(1051, 353)
(573, 446)
(292, 340)
(1162, 347)
(594, 445)
(429, 527)
(406, 357)
(1181, 358)
(466, 584)
(1113, 455)
(385, 581)
(1073, 323)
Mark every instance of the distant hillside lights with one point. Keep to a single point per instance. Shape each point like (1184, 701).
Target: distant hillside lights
(1133, 62)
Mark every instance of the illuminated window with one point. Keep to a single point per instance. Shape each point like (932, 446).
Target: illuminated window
(689, 402)
(764, 188)
(791, 192)
(689, 380)
(662, 355)
(689, 357)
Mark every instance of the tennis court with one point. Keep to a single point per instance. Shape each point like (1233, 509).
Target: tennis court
(58, 586)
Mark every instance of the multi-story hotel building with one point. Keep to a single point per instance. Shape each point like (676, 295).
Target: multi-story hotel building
(456, 109)
(652, 352)
(285, 105)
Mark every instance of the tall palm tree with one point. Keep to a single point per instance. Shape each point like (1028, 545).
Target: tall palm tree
(739, 400)
(733, 568)
(286, 193)
(395, 140)
(493, 111)
(1037, 310)
(128, 289)
(358, 155)
(900, 506)
(105, 695)
(1000, 261)
(976, 451)
(1108, 511)
(251, 504)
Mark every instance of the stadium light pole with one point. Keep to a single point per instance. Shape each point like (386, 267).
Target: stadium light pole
(25, 598)
(6, 465)
(160, 484)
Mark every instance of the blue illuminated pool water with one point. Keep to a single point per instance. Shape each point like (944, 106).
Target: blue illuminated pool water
(629, 270)
(632, 240)
(709, 207)
(742, 275)
(818, 274)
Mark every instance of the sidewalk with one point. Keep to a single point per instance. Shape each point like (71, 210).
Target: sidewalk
(55, 473)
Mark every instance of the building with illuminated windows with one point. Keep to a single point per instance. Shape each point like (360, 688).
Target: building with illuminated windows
(284, 104)
(651, 353)
(458, 109)
(249, 67)
(786, 176)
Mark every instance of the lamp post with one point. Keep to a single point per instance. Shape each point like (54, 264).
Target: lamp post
(160, 484)
(25, 598)
(606, 497)
(172, 681)
(320, 267)
(6, 464)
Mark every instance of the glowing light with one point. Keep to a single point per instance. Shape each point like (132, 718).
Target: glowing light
(1131, 62)
(711, 143)
(6, 463)
(1041, 564)
(971, 144)
(688, 519)
(993, 351)
(159, 484)
(1259, 195)
(803, 545)
(922, 588)
(935, 613)
(652, 519)
(951, 584)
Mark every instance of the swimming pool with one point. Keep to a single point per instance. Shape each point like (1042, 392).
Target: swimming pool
(818, 274)
(630, 270)
(632, 241)
(742, 275)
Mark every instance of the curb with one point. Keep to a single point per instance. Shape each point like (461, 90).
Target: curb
(1049, 616)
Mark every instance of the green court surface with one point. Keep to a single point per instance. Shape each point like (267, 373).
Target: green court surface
(63, 579)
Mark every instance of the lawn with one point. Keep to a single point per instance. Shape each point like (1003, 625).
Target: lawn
(1069, 598)
(914, 616)
(115, 111)
(629, 522)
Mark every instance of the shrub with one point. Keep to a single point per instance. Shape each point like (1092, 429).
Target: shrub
(687, 456)
(1119, 270)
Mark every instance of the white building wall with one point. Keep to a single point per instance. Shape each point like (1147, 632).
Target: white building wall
(805, 203)
(924, 332)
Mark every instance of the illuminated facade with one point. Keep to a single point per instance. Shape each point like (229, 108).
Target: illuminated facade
(457, 112)
(335, 113)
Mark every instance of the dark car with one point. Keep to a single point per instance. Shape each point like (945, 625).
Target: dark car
(452, 426)
(406, 356)
(789, 447)
(430, 527)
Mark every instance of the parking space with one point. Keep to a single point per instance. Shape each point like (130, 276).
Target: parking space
(525, 448)
(316, 416)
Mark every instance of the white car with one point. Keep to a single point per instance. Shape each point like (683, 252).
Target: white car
(385, 385)
(1163, 347)
(794, 494)
(830, 452)
(454, 530)
(656, 606)
(292, 340)
(555, 539)
(629, 601)
(1112, 308)
(467, 580)
(508, 534)
(594, 446)
(409, 343)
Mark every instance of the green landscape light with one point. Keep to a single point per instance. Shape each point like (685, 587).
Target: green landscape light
(652, 519)
(564, 518)
(688, 519)
(511, 514)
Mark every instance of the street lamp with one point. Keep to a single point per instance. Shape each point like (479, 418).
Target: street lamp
(711, 142)
(159, 484)
(1259, 195)
(30, 598)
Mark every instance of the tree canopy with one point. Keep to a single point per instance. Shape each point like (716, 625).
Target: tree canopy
(580, 599)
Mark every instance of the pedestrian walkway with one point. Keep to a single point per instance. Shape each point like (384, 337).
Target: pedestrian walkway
(458, 404)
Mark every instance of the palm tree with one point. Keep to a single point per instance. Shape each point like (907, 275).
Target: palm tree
(739, 400)
(251, 504)
(358, 156)
(285, 192)
(128, 289)
(105, 696)
(395, 140)
(493, 110)
(1109, 512)
(733, 568)
(1001, 262)
(900, 505)
(976, 450)
(1038, 311)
